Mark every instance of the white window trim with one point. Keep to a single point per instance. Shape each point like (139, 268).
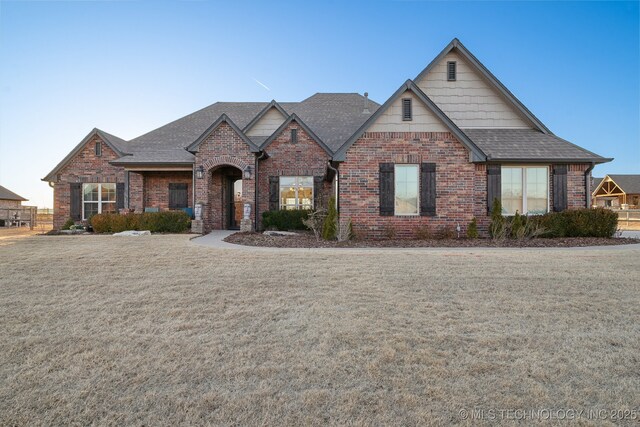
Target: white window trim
(395, 166)
(99, 201)
(524, 188)
(297, 205)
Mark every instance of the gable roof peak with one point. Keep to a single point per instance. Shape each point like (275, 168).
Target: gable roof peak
(303, 125)
(118, 145)
(193, 147)
(489, 77)
(475, 153)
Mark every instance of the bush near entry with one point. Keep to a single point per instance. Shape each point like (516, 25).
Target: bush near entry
(284, 219)
(156, 222)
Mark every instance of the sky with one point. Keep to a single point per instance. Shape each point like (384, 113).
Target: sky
(128, 67)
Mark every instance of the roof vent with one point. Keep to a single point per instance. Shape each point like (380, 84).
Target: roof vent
(366, 104)
(451, 71)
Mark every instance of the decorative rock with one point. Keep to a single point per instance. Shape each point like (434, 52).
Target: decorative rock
(280, 233)
(78, 231)
(133, 233)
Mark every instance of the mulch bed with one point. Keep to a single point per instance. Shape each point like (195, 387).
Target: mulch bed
(306, 240)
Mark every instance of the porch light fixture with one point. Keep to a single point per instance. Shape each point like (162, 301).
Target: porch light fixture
(200, 172)
(247, 173)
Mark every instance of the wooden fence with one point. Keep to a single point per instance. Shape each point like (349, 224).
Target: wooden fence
(628, 216)
(19, 217)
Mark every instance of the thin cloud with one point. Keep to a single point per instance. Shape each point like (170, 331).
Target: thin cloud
(261, 84)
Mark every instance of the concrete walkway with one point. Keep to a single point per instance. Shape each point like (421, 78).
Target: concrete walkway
(215, 240)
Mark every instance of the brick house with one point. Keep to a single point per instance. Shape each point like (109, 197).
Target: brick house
(435, 154)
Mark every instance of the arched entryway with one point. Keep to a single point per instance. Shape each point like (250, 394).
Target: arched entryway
(225, 198)
(225, 194)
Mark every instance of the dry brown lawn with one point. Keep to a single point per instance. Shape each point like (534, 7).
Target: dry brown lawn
(159, 331)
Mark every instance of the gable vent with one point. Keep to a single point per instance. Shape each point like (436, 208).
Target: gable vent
(451, 71)
(294, 136)
(406, 109)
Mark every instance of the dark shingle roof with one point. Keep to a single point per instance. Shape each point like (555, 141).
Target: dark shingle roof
(333, 117)
(630, 184)
(595, 182)
(528, 145)
(6, 194)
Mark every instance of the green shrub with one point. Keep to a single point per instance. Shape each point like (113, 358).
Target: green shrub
(597, 222)
(101, 223)
(67, 225)
(497, 227)
(330, 225)
(284, 220)
(472, 229)
(156, 222)
(164, 222)
(517, 225)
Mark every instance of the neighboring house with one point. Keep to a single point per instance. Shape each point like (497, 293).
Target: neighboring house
(618, 191)
(436, 153)
(9, 199)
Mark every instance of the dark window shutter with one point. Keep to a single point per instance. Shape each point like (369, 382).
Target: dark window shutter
(178, 195)
(76, 200)
(120, 195)
(318, 184)
(451, 71)
(428, 189)
(274, 189)
(559, 188)
(407, 114)
(494, 185)
(387, 189)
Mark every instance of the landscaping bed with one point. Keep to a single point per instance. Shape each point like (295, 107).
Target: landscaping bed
(307, 240)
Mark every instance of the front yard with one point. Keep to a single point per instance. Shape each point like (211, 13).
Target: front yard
(159, 331)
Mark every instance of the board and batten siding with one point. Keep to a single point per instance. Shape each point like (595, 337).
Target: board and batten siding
(470, 101)
(423, 119)
(267, 123)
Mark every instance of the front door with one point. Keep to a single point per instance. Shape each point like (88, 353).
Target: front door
(234, 205)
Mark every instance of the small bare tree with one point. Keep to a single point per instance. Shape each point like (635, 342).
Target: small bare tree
(345, 229)
(315, 221)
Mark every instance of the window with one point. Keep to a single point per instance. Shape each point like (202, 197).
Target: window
(178, 196)
(525, 190)
(98, 198)
(406, 189)
(296, 192)
(451, 71)
(98, 149)
(407, 114)
(294, 136)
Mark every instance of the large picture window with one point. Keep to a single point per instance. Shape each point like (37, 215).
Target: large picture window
(525, 189)
(98, 198)
(296, 192)
(406, 189)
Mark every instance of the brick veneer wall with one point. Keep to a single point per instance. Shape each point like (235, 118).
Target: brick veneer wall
(576, 188)
(460, 184)
(304, 158)
(136, 191)
(85, 166)
(224, 147)
(156, 187)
